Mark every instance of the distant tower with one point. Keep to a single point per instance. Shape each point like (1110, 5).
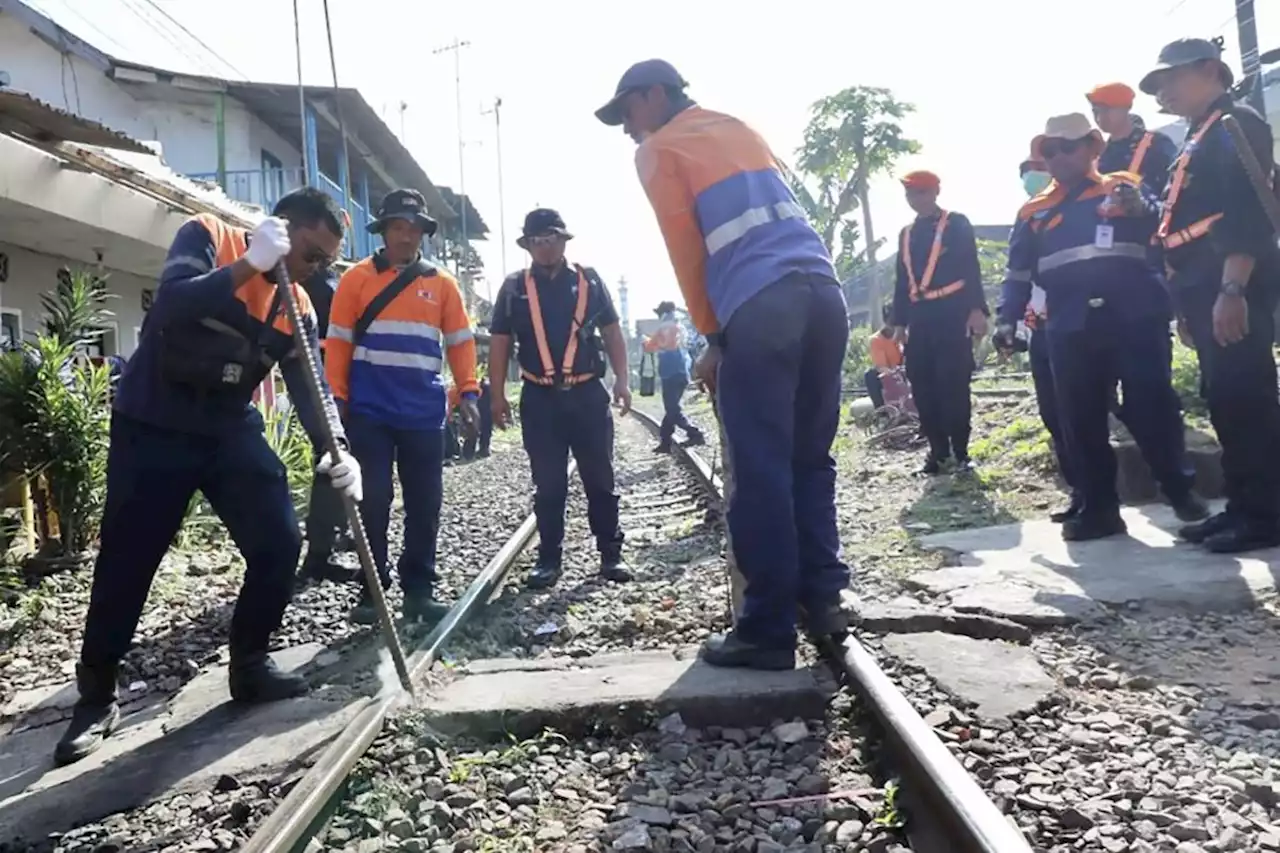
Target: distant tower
(624, 306)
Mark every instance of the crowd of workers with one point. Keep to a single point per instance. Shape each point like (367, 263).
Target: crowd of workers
(760, 286)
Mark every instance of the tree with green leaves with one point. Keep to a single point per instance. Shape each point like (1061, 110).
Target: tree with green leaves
(851, 137)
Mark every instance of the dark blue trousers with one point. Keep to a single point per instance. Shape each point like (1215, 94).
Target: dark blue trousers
(778, 392)
(673, 388)
(553, 423)
(484, 435)
(1047, 401)
(417, 455)
(1087, 364)
(152, 475)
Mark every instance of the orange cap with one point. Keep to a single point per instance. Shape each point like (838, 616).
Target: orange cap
(1116, 95)
(921, 180)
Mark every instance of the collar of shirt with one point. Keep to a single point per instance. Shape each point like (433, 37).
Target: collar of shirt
(544, 276)
(381, 264)
(1224, 102)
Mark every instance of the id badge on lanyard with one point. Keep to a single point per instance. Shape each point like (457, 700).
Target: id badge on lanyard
(1104, 236)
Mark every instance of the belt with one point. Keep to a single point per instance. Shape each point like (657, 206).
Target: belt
(564, 383)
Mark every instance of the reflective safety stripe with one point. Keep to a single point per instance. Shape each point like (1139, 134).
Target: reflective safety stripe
(735, 229)
(573, 379)
(452, 339)
(190, 262)
(1194, 231)
(918, 290)
(339, 333)
(1178, 177)
(1018, 275)
(386, 358)
(1075, 254)
(549, 376)
(1140, 153)
(405, 328)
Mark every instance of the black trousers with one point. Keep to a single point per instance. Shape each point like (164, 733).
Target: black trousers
(152, 474)
(875, 387)
(553, 423)
(484, 434)
(325, 515)
(673, 388)
(940, 370)
(1047, 401)
(1239, 383)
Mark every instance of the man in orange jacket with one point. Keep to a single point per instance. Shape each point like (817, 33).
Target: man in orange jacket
(760, 285)
(673, 374)
(886, 355)
(393, 320)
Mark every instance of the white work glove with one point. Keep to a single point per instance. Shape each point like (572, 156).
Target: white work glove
(344, 474)
(269, 243)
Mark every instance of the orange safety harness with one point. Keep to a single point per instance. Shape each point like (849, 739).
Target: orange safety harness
(1140, 153)
(918, 290)
(564, 378)
(1177, 180)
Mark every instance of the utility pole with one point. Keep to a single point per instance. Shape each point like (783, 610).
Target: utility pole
(404, 140)
(456, 46)
(502, 214)
(1250, 60)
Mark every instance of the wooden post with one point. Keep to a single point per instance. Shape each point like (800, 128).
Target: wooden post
(737, 584)
(28, 516)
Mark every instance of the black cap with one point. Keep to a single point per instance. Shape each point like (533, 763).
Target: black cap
(405, 204)
(544, 220)
(642, 75)
(665, 307)
(1175, 54)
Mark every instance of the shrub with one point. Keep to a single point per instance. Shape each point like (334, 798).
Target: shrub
(1186, 379)
(857, 356)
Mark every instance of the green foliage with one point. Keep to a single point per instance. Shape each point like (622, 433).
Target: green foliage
(1021, 445)
(852, 136)
(290, 442)
(1186, 379)
(55, 413)
(857, 356)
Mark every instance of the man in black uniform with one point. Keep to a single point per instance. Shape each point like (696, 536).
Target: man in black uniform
(1224, 270)
(558, 314)
(325, 518)
(938, 306)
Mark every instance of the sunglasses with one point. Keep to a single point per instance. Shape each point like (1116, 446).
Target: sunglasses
(546, 240)
(1051, 148)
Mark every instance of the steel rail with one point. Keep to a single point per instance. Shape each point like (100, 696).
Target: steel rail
(303, 810)
(936, 779)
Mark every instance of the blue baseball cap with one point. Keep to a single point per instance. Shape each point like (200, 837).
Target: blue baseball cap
(642, 75)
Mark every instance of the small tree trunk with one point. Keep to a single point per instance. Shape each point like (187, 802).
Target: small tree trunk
(737, 584)
(873, 293)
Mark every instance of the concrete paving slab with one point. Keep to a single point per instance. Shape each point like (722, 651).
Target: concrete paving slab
(1026, 573)
(166, 748)
(622, 694)
(999, 679)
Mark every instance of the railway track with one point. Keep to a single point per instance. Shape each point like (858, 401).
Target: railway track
(634, 772)
(390, 780)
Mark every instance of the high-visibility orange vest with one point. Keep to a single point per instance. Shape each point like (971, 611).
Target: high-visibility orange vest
(565, 377)
(918, 290)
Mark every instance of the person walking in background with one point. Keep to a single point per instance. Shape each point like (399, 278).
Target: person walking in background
(673, 374)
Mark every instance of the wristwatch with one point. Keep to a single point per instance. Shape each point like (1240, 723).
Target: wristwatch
(1232, 288)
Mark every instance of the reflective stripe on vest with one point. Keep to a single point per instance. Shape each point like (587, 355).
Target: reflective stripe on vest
(1140, 153)
(1177, 180)
(918, 290)
(550, 376)
(1194, 231)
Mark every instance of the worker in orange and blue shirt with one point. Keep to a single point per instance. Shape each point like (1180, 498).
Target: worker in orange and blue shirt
(1085, 240)
(939, 308)
(564, 325)
(673, 373)
(393, 321)
(1130, 146)
(885, 352)
(183, 421)
(760, 285)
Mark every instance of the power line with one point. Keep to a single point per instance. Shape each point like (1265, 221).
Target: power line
(337, 103)
(194, 38)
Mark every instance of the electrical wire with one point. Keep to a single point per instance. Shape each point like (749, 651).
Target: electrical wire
(337, 103)
(302, 97)
(195, 38)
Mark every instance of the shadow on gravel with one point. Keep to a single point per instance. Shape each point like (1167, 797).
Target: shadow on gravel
(955, 502)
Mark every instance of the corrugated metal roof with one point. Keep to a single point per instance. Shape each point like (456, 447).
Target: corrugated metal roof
(26, 115)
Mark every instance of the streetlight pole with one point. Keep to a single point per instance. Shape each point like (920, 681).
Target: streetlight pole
(1251, 62)
(502, 214)
(456, 46)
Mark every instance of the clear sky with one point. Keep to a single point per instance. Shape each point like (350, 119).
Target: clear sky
(983, 74)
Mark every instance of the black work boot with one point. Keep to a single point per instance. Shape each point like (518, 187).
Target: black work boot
(95, 716)
(694, 438)
(1244, 535)
(254, 679)
(732, 651)
(1214, 524)
(664, 446)
(366, 612)
(1071, 510)
(826, 620)
(613, 567)
(1087, 526)
(964, 465)
(545, 574)
(1190, 507)
(423, 609)
(932, 465)
(345, 543)
(323, 567)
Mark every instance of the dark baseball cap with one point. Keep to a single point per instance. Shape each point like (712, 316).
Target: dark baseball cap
(642, 75)
(1185, 52)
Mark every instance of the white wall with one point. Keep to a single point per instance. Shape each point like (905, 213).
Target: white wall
(32, 274)
(183, 122)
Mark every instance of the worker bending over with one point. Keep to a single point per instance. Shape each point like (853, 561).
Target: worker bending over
(1130, 146)
(1085, 240)
(760, 286)
(939, 308)
(673, 372)
(1224, 271)
(558, 313)
(885, 352)
(183, 422)
(394, 318)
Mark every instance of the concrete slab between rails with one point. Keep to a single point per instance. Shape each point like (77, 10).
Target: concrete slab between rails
(1026, 573)
(166, 747)
(997, 678)
(620, 692)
